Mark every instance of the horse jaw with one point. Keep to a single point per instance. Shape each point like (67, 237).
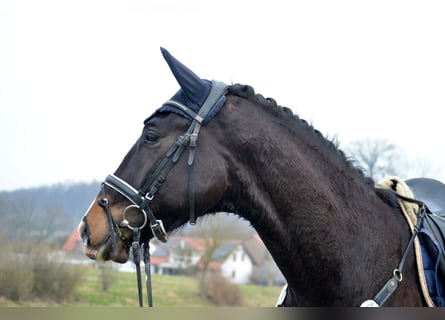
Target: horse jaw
(105, 253)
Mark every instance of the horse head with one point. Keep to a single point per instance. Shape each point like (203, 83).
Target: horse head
(156, 188)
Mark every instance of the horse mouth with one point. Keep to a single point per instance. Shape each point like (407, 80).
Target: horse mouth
(105, 253)
(91, 253)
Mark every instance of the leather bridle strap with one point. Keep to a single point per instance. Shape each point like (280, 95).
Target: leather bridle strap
(131, 194)
(215, 98)
(115, 231)
(136, 248)
(147, 263)
(141, 198)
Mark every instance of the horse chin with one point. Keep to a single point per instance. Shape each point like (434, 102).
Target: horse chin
(90, 253)
(105, 253)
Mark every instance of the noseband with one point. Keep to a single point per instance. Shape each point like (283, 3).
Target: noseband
(140, 199)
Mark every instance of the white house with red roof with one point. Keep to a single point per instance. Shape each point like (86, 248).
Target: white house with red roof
(235, 263)
(239, 261)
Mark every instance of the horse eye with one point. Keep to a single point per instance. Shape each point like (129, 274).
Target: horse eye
(151, 136)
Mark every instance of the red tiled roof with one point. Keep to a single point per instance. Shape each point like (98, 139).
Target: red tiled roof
(198, 244)
(72, 241)
(159, 260)
(215, 265)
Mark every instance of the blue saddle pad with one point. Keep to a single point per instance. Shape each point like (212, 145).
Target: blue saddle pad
(432, 256)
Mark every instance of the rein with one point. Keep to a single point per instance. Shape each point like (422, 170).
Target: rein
(391, 285)
(397, 276)
(141, 198)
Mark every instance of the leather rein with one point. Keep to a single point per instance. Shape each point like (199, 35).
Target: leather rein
(397, 275)
(140, 199)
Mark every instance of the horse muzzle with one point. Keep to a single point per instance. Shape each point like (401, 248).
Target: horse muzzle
(102, 251)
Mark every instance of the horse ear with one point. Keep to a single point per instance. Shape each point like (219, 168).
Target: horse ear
(192, 86)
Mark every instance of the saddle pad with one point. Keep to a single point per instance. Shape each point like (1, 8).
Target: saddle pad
(433, 277)
(432, 242)
(434, 226)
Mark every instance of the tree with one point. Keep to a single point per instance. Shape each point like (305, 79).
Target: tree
(22, 217)
(25, 218)
(377, 157)
(52, 223)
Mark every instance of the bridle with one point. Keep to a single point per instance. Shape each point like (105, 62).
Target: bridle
(140, 199)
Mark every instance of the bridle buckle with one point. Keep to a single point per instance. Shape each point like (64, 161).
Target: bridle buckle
(158, 230)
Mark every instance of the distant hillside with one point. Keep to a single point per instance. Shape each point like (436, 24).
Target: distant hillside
(70, 200)
(53, 212)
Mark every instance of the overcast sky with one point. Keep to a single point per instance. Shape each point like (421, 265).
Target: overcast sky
(77, 78)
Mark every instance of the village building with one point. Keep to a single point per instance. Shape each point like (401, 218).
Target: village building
(238, 261)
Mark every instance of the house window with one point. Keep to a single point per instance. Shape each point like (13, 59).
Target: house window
(234, 257)
(233, 274)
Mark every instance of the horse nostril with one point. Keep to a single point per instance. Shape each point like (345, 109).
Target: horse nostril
(82, 230)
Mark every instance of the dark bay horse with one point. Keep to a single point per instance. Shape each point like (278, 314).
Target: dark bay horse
(335, 237)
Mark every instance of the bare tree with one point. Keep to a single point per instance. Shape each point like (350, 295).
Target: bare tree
(53, 222)
(377, 157)
(22, 217)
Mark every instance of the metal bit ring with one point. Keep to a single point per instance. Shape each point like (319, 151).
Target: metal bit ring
(125, 222)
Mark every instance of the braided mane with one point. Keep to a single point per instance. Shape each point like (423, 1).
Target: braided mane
(246, 91)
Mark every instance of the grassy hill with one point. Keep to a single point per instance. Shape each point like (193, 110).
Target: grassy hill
(168, 291)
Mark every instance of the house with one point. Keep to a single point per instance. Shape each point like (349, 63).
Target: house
(179, 255)
(233, 262)
(239, 261)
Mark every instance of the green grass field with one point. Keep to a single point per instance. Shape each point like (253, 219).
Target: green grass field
(168, 291)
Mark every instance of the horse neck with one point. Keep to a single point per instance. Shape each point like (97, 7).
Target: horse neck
(311, 209)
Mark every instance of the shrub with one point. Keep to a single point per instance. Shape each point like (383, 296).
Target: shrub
(107, 276)
(16, 276)
(31, 271)
(55, 280)
(223, 293)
